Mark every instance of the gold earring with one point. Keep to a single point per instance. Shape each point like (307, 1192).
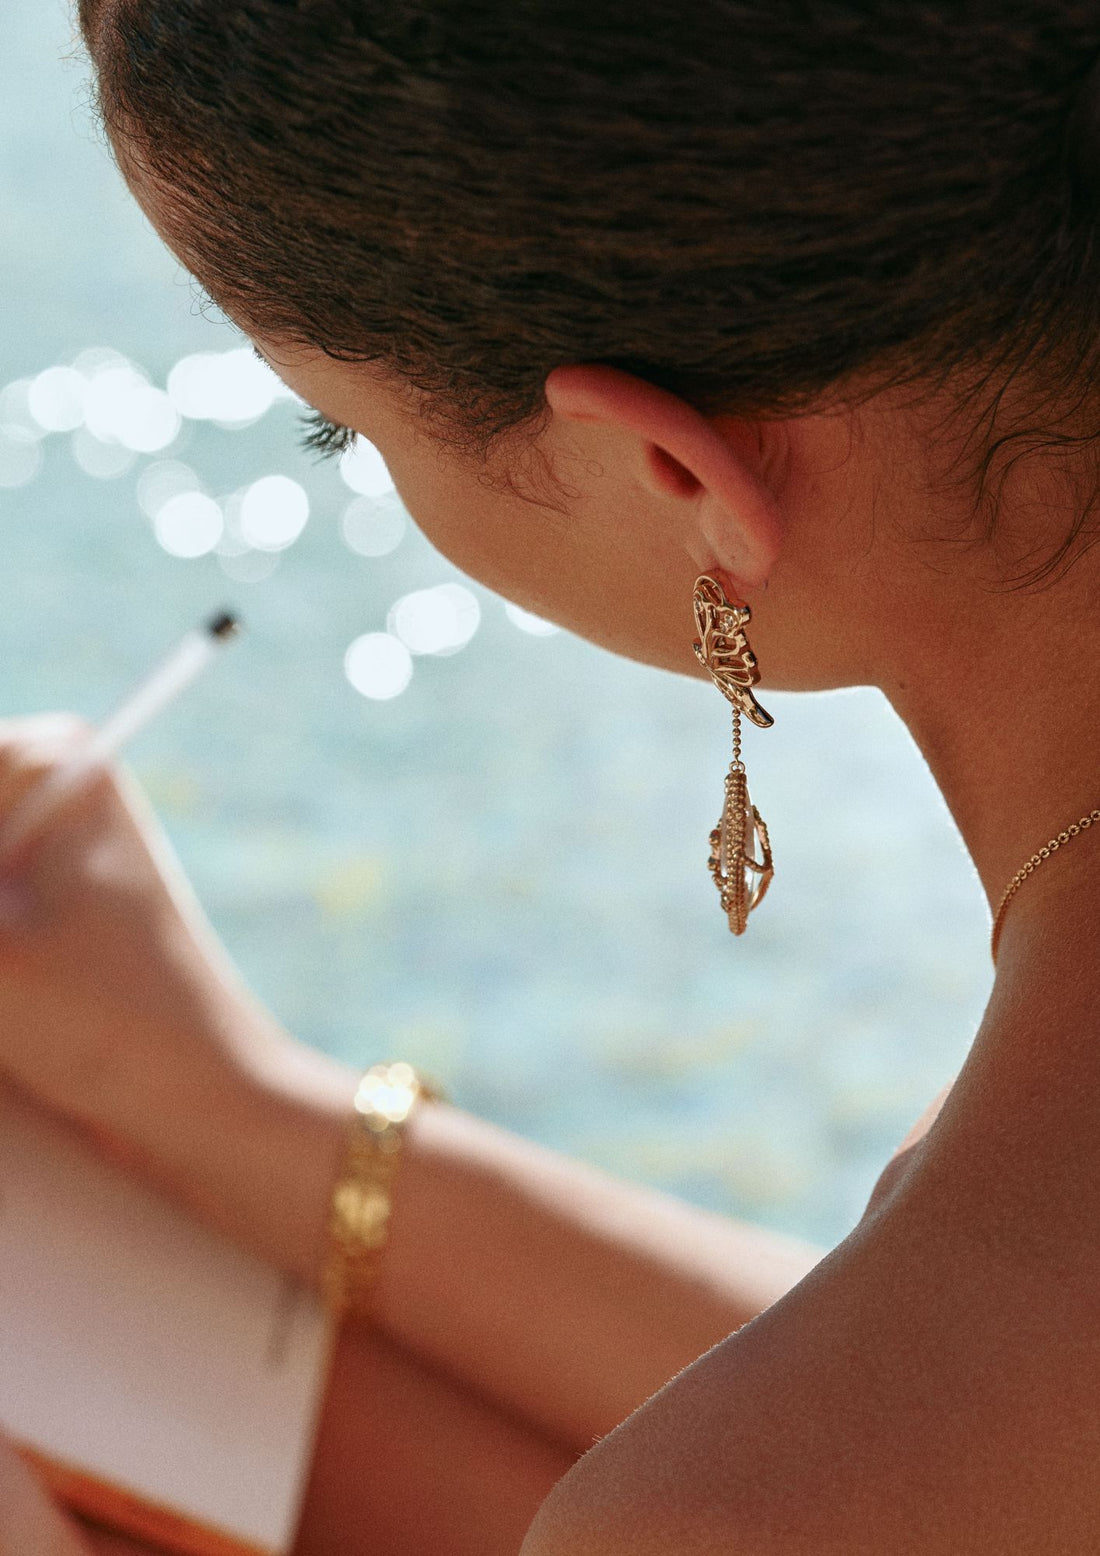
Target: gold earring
(740, 873)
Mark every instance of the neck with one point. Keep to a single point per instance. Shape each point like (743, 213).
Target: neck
(1003, 699)
(1012, 735)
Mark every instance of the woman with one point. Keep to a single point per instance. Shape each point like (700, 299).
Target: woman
(801, 298)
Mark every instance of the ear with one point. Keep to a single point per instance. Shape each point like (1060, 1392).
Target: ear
(713, 465)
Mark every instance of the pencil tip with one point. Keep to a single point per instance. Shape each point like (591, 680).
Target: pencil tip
(223, 626)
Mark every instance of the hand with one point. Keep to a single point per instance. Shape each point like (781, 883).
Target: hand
(120, 1010)
(106, 960)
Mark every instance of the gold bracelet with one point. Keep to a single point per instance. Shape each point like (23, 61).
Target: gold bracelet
(362, 1198)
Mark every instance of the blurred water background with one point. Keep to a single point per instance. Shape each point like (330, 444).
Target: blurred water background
(497, 871)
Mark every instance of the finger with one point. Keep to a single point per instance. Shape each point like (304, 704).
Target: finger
(31, 1524)
(42, 728)
(45, 771)
(31, 747)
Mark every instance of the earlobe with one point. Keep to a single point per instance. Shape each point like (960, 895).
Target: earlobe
(744, 532)
(711, 463)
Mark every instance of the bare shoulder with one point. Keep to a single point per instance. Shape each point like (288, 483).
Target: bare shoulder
(728, 1457)
(910, 1395)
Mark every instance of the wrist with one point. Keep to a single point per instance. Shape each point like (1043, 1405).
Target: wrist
(247, 1137)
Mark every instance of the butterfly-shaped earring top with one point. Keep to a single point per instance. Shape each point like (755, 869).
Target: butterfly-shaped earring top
(723, 649)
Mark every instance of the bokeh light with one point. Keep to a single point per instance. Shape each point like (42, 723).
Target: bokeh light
(56, 399)
(374, 527)
(121, 406)
(163, 480)
(97, 359)
(527, 622)
(364, 470)
(104, 461)
(189, 525)
(233, 388)
(112, 414)
(16, 419)
(378, 666)
(435, 621)
(273, 512)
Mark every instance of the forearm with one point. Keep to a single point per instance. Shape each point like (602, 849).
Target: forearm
(561, 1293)
(408, 1464)
(568, 1294)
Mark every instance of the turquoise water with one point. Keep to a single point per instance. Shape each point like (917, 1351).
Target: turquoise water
(500, 872)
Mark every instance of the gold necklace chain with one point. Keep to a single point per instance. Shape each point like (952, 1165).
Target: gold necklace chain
(1032, 865)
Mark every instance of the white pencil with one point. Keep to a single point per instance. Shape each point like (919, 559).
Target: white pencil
(187, 660)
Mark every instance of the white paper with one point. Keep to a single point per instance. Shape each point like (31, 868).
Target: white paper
(146, 1351)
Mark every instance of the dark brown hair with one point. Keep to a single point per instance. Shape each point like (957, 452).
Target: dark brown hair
(748, 203)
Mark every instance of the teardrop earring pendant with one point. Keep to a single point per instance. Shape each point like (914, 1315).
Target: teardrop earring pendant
(740, 851)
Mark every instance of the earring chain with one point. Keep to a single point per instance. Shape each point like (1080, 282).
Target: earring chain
(737, 765)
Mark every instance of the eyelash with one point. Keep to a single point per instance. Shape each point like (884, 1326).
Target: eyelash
(325, 438)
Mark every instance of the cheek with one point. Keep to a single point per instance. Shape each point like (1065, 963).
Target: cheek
(567, 569)
(628, 592)
(523, 552)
